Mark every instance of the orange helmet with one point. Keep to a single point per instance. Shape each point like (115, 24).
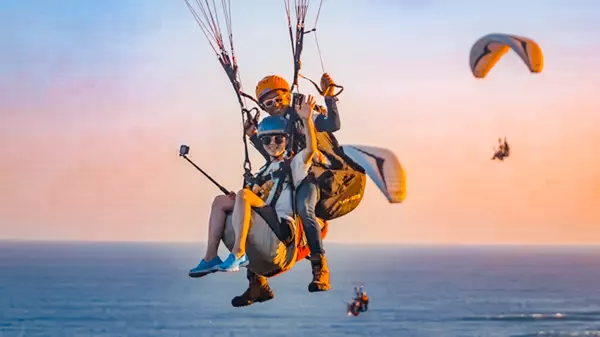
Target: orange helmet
(269, 84)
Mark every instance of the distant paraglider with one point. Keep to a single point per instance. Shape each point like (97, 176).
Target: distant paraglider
(502, 150)
(486, 52)
(360, 302)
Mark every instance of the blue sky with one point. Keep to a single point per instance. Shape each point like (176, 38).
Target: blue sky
(101, 94)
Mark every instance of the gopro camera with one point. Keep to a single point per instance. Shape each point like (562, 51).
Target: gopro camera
(297, 99)
(184, 150)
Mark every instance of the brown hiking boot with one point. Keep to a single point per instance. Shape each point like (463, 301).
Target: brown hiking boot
(320, 271)
(258, 291)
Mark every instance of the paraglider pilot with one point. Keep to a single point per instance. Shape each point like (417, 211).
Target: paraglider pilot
(502, 150)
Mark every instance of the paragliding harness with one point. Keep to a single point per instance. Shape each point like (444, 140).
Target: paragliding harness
(288, 233)
(341, 190)
(283, 229)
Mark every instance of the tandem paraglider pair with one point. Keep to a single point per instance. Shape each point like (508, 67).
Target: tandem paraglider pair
(282, 211)
(502, 150)
(360, 302)
(275, 236)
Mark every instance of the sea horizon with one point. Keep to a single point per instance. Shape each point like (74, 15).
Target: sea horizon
(338, 244)
(116, 288)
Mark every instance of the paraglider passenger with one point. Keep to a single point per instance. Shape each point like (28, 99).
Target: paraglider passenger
(267, 252)
(273, 92)
(273, 134)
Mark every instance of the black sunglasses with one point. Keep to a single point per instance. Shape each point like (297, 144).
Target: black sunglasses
(266, 140)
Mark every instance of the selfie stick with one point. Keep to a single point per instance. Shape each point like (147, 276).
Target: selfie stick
(184, 155)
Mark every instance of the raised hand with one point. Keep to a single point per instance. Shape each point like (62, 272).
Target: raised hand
(305, 111)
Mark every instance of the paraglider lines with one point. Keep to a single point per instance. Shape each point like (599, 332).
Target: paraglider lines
(208, 20)
(301, 9)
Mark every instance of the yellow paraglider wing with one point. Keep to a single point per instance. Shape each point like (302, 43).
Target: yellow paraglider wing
(490, 48)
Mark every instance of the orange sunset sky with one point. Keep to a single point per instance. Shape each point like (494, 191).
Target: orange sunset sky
(95, 100)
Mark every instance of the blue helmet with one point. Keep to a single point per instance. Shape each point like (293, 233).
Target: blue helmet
(273, 125)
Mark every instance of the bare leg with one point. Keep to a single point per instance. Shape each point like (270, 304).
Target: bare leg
(242, 212)
(216, 224)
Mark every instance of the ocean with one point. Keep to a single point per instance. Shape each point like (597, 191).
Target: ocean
(142, 289)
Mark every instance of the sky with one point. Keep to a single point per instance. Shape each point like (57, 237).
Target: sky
(96, 97)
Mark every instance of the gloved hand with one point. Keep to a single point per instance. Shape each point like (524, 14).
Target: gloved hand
(327, 85)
